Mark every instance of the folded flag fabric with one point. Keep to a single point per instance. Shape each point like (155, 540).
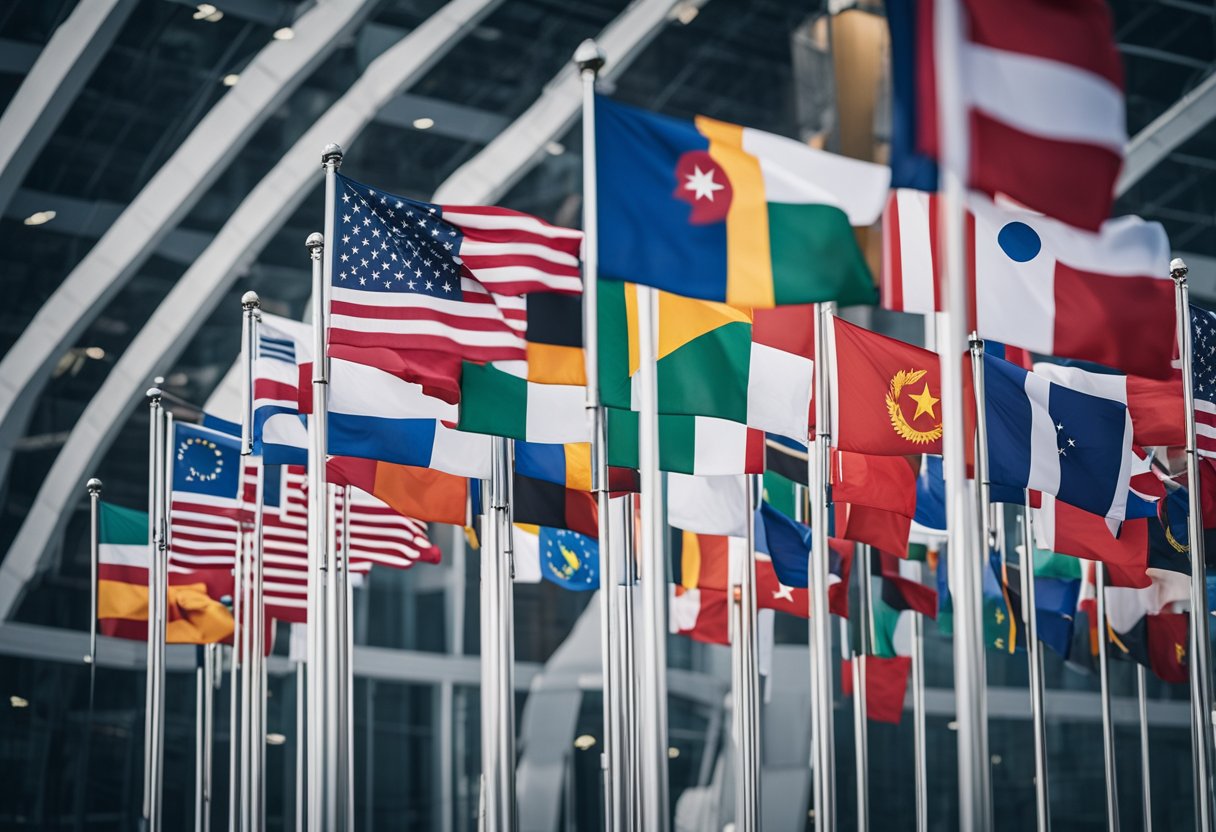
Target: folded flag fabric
(787, 543)
(499, 399)
(1060, 527)
(422, 493)
(786, 457)
(698, 445)
(539, 503)
(1069, 441)
(195, 612)
(708, 505)
(374, 415)
(700, 614)
(886, 531)
(1034, 277)
(886, 395)
(713, 360)
(560, 556)
(1045, 118)
(1055, 607)
(880, 482)
(1158, 411)
(280, 432)
(555, 339)
(721, 212)
(929, 522)
(886, 686)
(1203, 375)
(900, 585)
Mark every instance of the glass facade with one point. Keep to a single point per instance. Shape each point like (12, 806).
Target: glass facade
(764, 63)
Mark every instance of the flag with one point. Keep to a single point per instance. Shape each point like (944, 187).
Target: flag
(698, 604)
(787, 543)
(1158, 412)
(499, 399)
(886, 686)
(1068, 441)
(1203, 378)
(929, 522)
(755, 368)
(555, 339)
(400, 279)
(568, 465)
(1056, 602)
(885, 394)
(708, 505)
(786, 457)
(206, 500)
(721, 212)
(701, 614)
(421, 493)
(1042, 90)
(886, 531)
(280, 432)
(1060, 527)
(561, 556)
(900, 586)
(880, 482)
(539, 503)
(689, 444)
(195, 614)
(1034, 278)
(375, 415)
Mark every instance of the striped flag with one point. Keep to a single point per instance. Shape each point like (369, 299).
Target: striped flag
(1203, 373)
(409, 275)
(206, 497)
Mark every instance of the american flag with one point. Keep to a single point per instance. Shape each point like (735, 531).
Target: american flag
(1203, 374)
(414, 276)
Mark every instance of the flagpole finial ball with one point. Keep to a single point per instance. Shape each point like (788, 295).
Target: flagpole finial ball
(1178, 267)
(315, 240)
(153, 394)
(589, 56)
(93, 486)
(331, 153)
(250, 300)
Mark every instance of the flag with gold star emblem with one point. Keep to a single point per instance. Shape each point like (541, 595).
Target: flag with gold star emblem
(886, 394)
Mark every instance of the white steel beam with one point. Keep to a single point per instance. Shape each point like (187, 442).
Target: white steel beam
(1182, 120)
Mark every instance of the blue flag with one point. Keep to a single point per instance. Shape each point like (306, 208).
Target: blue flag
(787, 542)
(930, 519)
(206, 462)
(569, 559)
(1057, 439)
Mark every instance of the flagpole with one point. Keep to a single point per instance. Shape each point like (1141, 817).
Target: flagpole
(211, 677)
(321, 809)
(918, 723)
(652, 748)
(251, 579)
(234, 682)
(965, 550)
(820, 634)
(156, 470)
(1146, 780)
(257, 760)
(345, 682)
(1108, 725)
(745, 694)
(861, 734)
(93, 486)
(301, 742)
(200, 731)
(631, 771)
(1200, 648)
(1034, 661)
(506, 639)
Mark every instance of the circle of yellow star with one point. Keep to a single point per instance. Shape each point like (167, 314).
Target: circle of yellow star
(924, 403)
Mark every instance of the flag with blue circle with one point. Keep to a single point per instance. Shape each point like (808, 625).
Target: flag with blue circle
(206, 462)
(569, 559)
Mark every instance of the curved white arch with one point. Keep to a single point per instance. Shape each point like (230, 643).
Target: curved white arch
(275, 72)
(234, 249)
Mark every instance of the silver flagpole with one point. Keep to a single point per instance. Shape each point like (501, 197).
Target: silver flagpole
(162, 566)
(93, 486)
(745, 693)
(248, 668)
(154, 421)
(965, 549)
(257, 759)
(211, 678)
(249, 639)
(200, 732)
(1200, 648)
(590, 60)
(861, 734)
(629, 676)
(489, 800)
(335, 757)
(301, 742)
(1034, 660)
(234, 685)
(918, 723)
(820, 635)
(656, 812)
(1146, 780)
(345, 710)
(506, 641)
(1108, 725)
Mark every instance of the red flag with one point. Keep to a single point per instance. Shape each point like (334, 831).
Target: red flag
(884, 530)
(1156, 408)
(421, 493)
(882, 482)
(700, 614)
(885, 394)
(1071, 531)
(886, 686)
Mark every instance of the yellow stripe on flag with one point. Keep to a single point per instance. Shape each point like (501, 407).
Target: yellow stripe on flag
(690, 561)
(681, 321)
(631, 326)
(749, 261)
(578, 465)
(116, 599)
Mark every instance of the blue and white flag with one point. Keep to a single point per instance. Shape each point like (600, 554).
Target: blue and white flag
(929, 524)
(280, 431)
(1069, 441)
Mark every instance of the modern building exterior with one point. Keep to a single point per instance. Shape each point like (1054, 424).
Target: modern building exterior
(158, 158)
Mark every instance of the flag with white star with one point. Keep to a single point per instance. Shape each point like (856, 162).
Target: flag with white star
(1203, 376)
(409, 275)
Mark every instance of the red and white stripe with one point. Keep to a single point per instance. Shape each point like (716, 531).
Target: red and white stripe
(910, 278)
(513, 253)
(475, 327)
(203, 530)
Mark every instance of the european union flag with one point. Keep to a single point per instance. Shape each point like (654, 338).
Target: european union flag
(206, 462)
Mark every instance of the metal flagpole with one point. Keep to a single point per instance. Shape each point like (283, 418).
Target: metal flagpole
(249, 722)
(1034, 660)
(653, 567)
(200, 731)
(1200, 648)
(1108, 725)
(154, 422)
(301, 742)
(1146, 780)
(211, 678)
(629, 676)
(257, 662)
(820, 635)
(345, 710)
(162, 592)
(234, 685)
(590, 60)
(918, 723)
(93, 486)
(861, 734)
(506, 640)
(965, 550)
(745, 676)
(248, 667)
